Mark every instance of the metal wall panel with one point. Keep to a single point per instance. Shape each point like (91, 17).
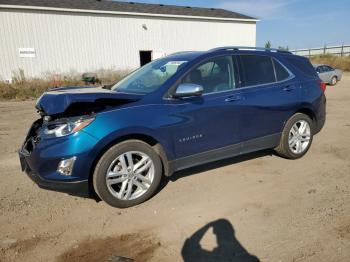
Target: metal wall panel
(80, 42)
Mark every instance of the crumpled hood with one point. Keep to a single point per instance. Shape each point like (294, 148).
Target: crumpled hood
(57, 100)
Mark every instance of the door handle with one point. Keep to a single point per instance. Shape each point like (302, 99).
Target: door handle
(233, 98)
(289, 88)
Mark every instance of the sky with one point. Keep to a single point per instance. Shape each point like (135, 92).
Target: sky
(292, 23)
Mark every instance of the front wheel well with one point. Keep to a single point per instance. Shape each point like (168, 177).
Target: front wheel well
(144, 138)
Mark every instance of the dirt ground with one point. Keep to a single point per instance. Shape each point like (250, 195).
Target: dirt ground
(251, 208)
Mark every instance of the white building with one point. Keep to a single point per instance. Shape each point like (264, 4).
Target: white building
(85, 35)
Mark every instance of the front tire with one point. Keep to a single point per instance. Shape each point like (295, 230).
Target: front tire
(127, 174)
(296, 137)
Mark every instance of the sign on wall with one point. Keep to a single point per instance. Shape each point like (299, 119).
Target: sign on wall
(26, 52)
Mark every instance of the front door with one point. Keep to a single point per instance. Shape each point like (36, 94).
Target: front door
(208, 122)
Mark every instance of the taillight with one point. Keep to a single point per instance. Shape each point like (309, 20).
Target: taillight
(322, 85)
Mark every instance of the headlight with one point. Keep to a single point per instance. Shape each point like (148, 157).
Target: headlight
(69, 127)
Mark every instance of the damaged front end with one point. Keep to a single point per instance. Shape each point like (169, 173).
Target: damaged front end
(65, 111)
(53, 159)
(78, 101)
(55, 155)
(64, 126)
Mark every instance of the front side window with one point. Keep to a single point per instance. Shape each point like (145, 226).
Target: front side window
(256, 70)
(324, 69)
(149, 77)
(215, 75)
(319, 69)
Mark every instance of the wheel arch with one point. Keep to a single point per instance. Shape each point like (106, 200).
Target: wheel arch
(333, 76)
(305, 109)
(309, 112)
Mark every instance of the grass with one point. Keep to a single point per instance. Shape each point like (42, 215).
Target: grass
(23, 88)
(339, 62)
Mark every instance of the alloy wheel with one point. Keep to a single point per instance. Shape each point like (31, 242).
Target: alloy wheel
(130, 175)
(299, 137)
(334, 81)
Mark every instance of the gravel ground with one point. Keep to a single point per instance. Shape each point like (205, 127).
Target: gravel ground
(251, 208)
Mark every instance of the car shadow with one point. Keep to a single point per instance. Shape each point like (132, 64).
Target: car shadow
(220, 163)
(228, 248)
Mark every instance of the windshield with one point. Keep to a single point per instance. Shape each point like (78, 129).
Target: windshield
(149, 77)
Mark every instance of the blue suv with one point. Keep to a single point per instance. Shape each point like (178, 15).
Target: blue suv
(176, 112)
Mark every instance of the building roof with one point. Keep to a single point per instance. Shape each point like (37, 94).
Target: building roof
(104, 6)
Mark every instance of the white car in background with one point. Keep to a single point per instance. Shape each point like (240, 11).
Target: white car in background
(328, 74)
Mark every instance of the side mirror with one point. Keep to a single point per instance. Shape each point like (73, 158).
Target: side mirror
(188, 90)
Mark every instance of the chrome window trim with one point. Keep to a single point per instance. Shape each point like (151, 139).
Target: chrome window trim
(271, 83)
(291, 76)
(220, 92)
(243, 88)
(237, 89)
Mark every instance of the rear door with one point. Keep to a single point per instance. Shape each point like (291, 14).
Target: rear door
(270, 94)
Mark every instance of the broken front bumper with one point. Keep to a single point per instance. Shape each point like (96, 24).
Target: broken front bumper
(41, 158)
(79, 188)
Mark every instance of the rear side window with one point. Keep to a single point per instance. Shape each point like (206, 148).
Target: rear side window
(256, 70)
(281, 72)
(303, 65)
(329, 68)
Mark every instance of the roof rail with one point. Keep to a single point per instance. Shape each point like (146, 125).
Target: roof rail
(249, 48)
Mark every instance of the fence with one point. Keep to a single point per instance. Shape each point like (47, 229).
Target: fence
(341, 50)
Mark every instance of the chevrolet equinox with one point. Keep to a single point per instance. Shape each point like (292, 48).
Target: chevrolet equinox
(176, 112)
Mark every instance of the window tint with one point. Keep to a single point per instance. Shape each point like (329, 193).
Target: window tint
(303, 64)
(281, 72)
(256, 70)
(215, 75)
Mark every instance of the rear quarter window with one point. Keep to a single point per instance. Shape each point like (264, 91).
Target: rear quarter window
(281, 72)
(303, 65)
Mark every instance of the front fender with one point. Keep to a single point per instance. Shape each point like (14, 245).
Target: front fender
(133, 132)
(150, 121)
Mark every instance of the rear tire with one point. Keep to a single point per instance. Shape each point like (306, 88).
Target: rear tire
(127, 174)
(334, 81)
(296, 137)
